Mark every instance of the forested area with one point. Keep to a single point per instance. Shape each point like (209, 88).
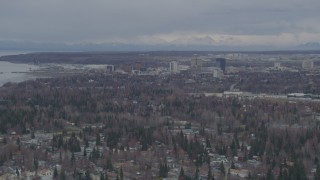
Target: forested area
(123, 119)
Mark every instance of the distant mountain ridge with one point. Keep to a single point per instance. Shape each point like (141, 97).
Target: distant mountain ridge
(310, 45)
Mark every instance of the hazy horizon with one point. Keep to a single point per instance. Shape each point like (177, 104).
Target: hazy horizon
(159, 25)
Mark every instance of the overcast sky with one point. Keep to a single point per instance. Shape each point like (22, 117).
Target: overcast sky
(278, 23)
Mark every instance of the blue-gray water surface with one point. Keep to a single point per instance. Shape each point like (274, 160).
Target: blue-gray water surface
(11, 72)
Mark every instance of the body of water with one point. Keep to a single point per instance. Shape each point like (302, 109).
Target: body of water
(11, 72)
(6, 53)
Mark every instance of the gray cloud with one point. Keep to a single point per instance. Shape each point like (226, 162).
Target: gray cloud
(80, 21)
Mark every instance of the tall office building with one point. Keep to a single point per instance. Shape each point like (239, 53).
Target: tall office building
(128, 68)
(110, 68)
(221, 63)
(138, 66)
(173, 67)
(196, 64)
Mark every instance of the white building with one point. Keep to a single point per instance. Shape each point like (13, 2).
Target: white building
(173, 67)
(217, 73)
(307, 64)
(243, 173)
(277, 65)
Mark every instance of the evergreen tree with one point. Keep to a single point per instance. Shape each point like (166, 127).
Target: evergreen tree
(144, 145)
(163, 170)
(196, 176)
(62, 175)
(207, 158)
(102, 176)
(210, 176)
(55, 173)
(109, 164)
(280, 177)
(98, 139)
(249, 176)
(35, 163)
(297, 171)
(285, 175)
(208, 142)
(166, 168)
(60, 157)
(232, 165)
(79, 176)
(73, 159)
(181, 175)
(222, 170)
(317, 175)
(87, 176)
(10, 155)
(85, 151)
(32, 135)
(269, 175)
(121, 174)
(87, 143)
(233, 148)
(18, 141)
(17, 172)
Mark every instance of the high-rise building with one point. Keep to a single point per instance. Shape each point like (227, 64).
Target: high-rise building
(110, 68)
(138, 66)
(173, 67)
(221, 63)
(196, 64)
(127, 68)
